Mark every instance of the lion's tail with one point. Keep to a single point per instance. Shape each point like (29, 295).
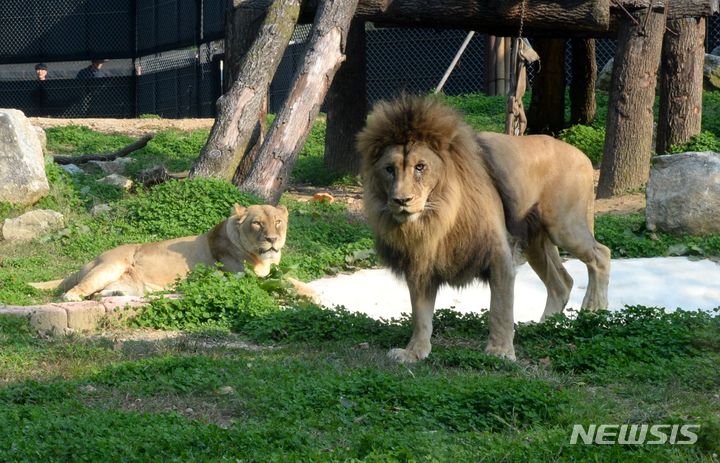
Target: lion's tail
(63, 284)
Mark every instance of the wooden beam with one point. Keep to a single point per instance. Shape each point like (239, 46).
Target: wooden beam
(676, 8)
(543, 18)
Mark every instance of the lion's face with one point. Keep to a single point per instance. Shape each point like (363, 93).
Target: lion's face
(408, 174)
(261, 230)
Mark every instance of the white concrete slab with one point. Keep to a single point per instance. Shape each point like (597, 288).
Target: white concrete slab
(669, 282)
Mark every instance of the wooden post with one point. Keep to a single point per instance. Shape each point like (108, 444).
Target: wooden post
(681, 82)
(508, 64)
(547, 105)
(628, 142)
(492, 64)
(347, 106)
(500, 77)
(325, 52)
(582, 85)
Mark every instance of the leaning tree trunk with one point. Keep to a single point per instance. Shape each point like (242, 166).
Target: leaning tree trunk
(681, 82)
(325, 52)
(547, 105)
(347, 106)
(582, 85)
(237, 124)
(242, 26)
(628, 143)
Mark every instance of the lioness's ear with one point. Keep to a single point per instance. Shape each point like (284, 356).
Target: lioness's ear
(237, 210)
(283, 210)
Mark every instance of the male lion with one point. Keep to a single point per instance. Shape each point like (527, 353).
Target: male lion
(448, 205)
(253, 235)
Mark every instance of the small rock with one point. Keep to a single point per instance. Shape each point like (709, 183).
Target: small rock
(226, 390)
(189, 411)
(88, 388)
(716, 51)
(118, 181)
(72, 169)
(711, 72)
(84, 190)
(32, 224)
(100, 209)
(605, 77)
(153, 176)
(42, 138)
(116, 166)
(363, 345)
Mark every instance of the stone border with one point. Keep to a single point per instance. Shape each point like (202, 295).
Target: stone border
(68, 317)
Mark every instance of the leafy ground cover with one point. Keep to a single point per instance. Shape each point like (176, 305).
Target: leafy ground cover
(258, 375)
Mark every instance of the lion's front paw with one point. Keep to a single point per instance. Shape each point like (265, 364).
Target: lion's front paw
(71, 297)
(403, 355)
(502, 351)
(412, 354)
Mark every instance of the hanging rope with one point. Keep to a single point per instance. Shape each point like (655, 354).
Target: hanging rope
(521, 56)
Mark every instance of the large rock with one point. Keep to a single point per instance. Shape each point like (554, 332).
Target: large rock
(32, 224)
(711, 72)
(683, 194)
(605, 77)
(22, 167)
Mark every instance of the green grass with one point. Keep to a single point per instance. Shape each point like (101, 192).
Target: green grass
(320, 398)
(627, 236)
(258, 375)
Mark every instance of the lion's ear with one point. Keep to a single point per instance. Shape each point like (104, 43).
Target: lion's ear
(237, 210)
(283, 210)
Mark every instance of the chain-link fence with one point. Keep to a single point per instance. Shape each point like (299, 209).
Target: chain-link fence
(398, 60)
(712, 38)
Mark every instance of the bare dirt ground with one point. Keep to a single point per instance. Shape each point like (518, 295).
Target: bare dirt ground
(352, 196)
(133, 127)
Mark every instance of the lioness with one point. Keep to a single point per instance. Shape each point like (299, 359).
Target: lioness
(254, 235)
(448, 205)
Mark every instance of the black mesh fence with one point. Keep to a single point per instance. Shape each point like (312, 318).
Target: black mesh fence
(409, 60)
(712, 38)
(151, 57)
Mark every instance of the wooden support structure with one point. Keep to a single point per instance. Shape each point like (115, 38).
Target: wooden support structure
(681, 82)
(628, 142)
(240, 110)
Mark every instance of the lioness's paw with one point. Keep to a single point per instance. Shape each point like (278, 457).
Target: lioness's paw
(504, 352)
(71, 297)
(406, 355)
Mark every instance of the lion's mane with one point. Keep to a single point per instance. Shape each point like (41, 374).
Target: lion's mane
(455, 236)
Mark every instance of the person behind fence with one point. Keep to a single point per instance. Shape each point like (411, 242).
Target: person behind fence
(94, 70)
(39, 94)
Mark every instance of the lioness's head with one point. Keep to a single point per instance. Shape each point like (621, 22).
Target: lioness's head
(260, 230)
(407, 147)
